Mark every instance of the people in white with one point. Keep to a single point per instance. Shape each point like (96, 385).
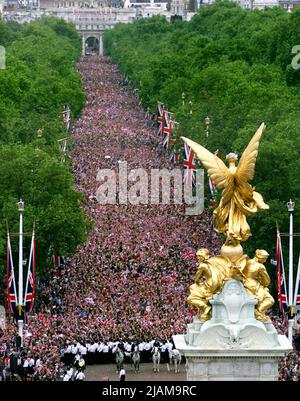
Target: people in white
(79, 376)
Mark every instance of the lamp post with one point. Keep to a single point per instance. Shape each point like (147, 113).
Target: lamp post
(40, 133)
(183, 98)
(207, 122)
(290, 206)
(20, 303)
(191, 107)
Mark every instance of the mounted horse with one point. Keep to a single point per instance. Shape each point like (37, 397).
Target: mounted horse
(156, 359)
(175, 358)
(135, 359)
(119, 358)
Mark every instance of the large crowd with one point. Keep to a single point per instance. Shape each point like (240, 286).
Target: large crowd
(128, 283)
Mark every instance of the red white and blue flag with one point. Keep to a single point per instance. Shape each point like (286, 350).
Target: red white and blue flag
(189, 165)
(168, 130)
(160, 118)
(11, 282)
(281, 283)
(189, 255)
(30, 282)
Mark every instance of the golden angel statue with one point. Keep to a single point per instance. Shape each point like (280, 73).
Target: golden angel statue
(239, 199)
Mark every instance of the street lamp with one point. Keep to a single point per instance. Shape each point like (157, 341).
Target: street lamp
(290, 206)
(207, 122)
(39, 132)
(20, 303)
(21, 206)
(183, 98)
(191, 107)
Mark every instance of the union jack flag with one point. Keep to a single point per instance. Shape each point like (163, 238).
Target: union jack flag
(160, 118)
(281, 283)
(189, 165)
(29, 290)
(189, 255)
(168, 130)
(11, 282)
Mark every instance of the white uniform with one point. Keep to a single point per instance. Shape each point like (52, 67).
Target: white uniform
(127, 347)
(94, 347)
(83, 350)
(80, 376)
(169, 346)
(38, 363)
(100, 347)
(31, 362)
(105, 348)
(66, 378)
(141, 346)
(148, 346)
(74, 349)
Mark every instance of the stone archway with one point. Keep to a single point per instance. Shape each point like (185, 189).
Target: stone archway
(92, 34)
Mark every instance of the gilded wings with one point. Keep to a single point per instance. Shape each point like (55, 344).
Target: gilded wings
(221, 175)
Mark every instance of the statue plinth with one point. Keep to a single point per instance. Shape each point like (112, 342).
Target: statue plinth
(232, 337)
(233, 344)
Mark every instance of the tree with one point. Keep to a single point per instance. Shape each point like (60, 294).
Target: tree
(235, 67)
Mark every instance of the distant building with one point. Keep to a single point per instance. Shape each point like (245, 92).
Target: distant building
(289, 4)
(248, 4)
(50, 4)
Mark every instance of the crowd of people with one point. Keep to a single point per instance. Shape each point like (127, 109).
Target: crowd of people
(128, 283)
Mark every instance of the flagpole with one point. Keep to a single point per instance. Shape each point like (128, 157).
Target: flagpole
(297, 282)
(20, 321)
(290, 206)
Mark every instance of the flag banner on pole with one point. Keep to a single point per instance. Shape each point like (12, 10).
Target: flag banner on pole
(174, 157)
(149, 118)
(160, 118)
(30, 282)
(147, 114)
(297, 286)
(212, 187)
(11, 282)
(67, 118)
(189, 165)
(281, 283)
(168, 130)
(56, 260)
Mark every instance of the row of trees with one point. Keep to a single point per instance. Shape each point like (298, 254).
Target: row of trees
(39, 79)
(234, 66)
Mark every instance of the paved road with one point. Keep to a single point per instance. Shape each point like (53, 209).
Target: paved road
(108, 372)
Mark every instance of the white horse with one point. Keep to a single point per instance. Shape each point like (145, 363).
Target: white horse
(135, 359)
(175, 358)
(119, 358)
(156, 359)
